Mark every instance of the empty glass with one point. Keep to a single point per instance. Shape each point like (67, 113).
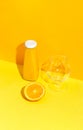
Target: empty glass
(55, 70)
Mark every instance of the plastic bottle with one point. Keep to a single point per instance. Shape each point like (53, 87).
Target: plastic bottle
(30, 67)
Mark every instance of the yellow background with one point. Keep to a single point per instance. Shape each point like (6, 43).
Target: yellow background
(57, 110)
(57, 26)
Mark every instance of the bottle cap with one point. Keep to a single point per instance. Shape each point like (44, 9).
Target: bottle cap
(30, 44)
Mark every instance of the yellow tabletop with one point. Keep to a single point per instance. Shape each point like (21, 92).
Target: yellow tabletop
(55, 111)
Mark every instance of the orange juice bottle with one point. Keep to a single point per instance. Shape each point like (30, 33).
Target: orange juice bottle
(30, 67)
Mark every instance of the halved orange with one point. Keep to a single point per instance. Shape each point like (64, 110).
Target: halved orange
(34, 92)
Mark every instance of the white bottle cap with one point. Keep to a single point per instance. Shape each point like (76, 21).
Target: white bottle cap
(30, 44)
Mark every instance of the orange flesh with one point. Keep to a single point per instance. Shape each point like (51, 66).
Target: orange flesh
(34, 91)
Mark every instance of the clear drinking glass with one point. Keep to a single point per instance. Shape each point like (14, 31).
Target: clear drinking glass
(55, 71)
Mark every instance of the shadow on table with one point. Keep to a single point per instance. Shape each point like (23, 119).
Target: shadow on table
(22, 93)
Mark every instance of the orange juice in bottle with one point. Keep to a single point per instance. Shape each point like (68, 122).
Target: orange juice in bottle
(30, 67)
